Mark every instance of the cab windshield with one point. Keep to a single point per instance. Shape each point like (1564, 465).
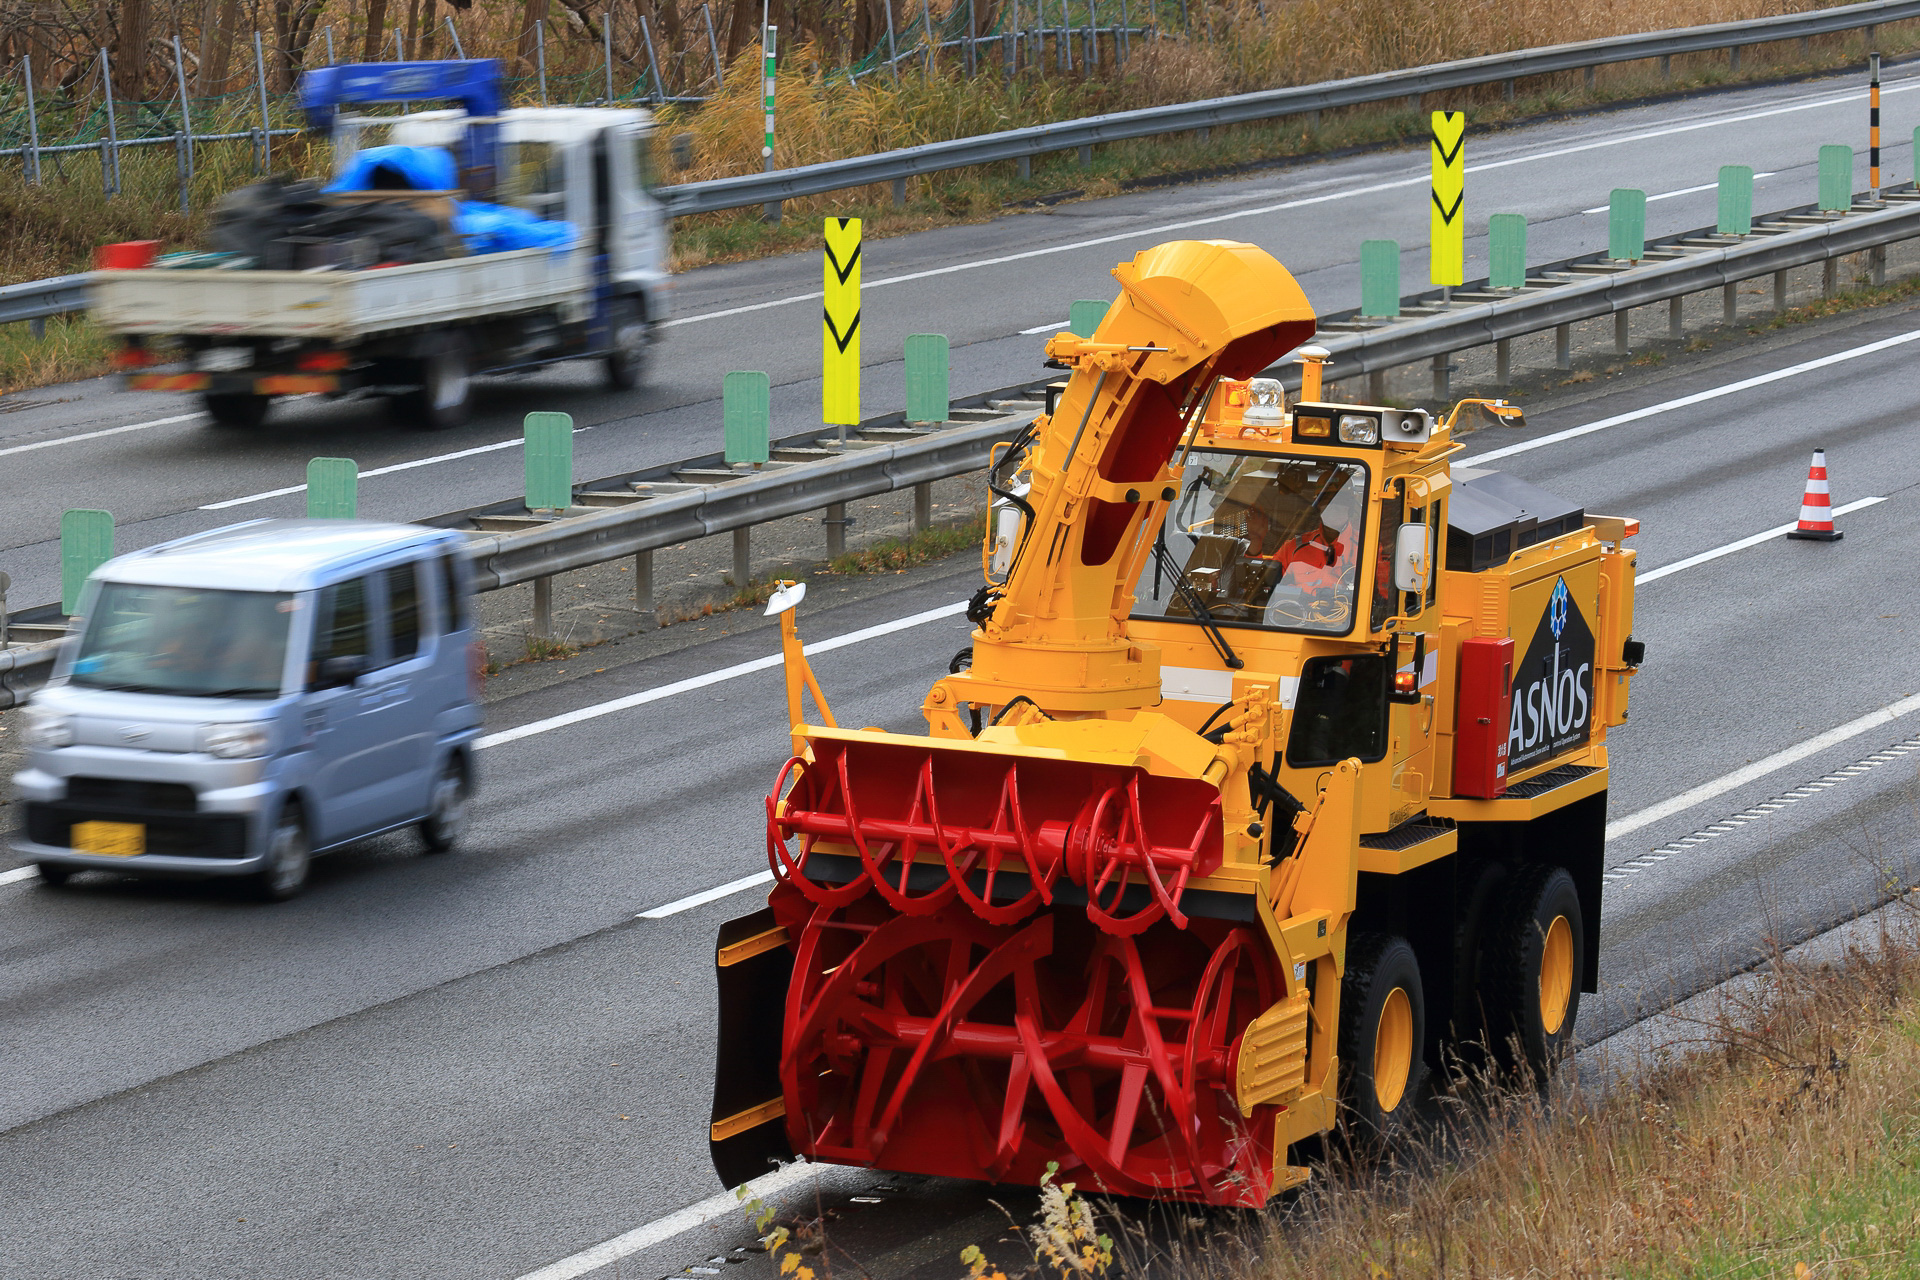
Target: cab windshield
(185, 640)
(1255, 540)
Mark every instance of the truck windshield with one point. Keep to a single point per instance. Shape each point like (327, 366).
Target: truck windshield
(1262, 542)
(185, 640)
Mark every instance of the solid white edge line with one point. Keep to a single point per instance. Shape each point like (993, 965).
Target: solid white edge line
(1761, 768)
(1043, 328)
(377, 471)
(1683, 191)
(1654, 575)
(712, 677)
(1698, 397)
(719, 1205)
(95, 435)
(18, 874)
(726, 890)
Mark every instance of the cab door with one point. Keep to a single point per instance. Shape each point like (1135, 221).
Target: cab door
(636, 236)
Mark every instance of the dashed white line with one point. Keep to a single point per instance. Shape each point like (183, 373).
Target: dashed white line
(95, 435)
(379, 471)
(727, 890)
(1654, 575)
(1684, 191)
(18, 874)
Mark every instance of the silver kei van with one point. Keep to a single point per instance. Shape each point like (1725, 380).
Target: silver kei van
(234, 702)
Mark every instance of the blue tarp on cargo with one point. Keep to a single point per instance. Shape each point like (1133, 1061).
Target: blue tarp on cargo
(487, 228)
(394, 167)
(496, 228)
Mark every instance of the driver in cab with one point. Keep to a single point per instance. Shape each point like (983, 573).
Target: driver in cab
(1312, 550)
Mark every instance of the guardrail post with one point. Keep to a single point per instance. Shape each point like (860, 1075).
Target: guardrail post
(1780, 290)
(922, 506)
(1084, 316)
(1877, 265)
(899, 193)
(1507, 251)
(1026, 168)
(1836, 178)
(38, 328)
(743, 557)
(643, 582)
(1627, 224)
(1380, 278)
(1621, 336)
(1729, 302)
(543, 607)
(1086, 156)
(928, 399)
(1733, 59)
(836, 523)
(1829, 277)
(1442, 368)
(549, 461)
(86, 543)
(333, 489)
(1376, 387)
(1563, 346)
(1503, 361)
(1666, 67)
(746, 415)
(1676, 326)
(1736, 200)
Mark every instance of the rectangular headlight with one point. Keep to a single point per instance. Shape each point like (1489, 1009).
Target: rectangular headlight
(1359, 428)
(47, 730)
(234, 741)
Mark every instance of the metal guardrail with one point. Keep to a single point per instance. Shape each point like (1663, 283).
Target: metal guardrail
(38, 299)
(1013, 144)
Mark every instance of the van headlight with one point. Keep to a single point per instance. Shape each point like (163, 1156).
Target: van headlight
(233, 741)
(47, 729)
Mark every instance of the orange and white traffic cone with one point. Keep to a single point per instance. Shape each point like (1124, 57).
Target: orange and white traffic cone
(1816, 509)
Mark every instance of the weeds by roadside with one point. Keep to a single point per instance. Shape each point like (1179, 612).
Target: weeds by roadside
(897, 555)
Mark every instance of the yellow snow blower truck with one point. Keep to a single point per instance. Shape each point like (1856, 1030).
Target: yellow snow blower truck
(1277, 765)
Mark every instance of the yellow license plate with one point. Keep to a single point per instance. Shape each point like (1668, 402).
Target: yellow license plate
(111, 839)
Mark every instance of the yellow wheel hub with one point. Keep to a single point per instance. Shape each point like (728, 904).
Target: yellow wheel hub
(1393, 1049)
(1556, 975)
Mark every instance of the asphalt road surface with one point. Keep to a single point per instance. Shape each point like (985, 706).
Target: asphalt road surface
(155, 463)
(483, 1064)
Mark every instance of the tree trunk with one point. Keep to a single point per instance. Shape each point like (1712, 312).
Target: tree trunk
(130, 57)
(536, 13)
(376, 31)
(741, 31)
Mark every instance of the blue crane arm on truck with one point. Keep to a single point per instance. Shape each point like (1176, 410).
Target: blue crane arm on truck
(393, 280)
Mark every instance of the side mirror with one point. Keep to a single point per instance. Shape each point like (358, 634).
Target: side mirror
(1412, 557)
(336, 672)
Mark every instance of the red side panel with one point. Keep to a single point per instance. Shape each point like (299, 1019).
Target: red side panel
(1485, 711)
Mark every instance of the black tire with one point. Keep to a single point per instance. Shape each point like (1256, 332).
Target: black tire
(1383, 1032)
(1535, 948)
(242, 412)
(627, 346)
(289, 857)
(446, 819)
(442, 397)
(52, 874)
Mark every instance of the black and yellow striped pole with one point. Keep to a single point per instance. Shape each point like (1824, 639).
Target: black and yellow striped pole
(1873, 128)
(1448, 252)
(840, 332)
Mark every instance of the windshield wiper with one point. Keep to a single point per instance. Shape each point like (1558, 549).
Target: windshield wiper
(1201, 613)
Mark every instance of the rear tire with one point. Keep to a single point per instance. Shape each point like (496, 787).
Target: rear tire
(1383, 1033)
(52, 874)
(627, 346)
(1535, 949)
(240, 411)
(443, 396)
(446, 819)
(289, 856)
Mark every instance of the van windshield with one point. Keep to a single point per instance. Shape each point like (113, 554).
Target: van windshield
(185, 640)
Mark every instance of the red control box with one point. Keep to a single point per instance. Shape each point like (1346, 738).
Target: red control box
(1485, 711)
(128, 255)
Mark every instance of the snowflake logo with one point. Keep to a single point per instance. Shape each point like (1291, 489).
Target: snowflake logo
(1557, 606)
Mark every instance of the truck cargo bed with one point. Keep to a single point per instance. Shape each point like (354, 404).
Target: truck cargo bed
(341, 305)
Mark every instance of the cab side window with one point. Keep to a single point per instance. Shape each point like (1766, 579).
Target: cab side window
(403, 611)
(1340, 711)
(342, 633)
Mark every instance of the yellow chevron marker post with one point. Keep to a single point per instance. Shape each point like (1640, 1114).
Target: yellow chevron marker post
(1448, 254)
(840, 334)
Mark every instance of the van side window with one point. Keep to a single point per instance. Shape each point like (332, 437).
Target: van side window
(403, 611)
(342, 622)
(455, 597)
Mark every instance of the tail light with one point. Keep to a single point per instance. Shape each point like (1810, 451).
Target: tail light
(133, 356)
(322, 362)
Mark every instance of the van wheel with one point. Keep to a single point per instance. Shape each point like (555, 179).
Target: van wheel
(444, 395)
(240, 411)
(1383, 1032)
(289, 855)
(52, 874)
(446, 819)
(1535, 952)
(627, 347)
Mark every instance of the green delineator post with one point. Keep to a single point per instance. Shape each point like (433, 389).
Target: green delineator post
(1836, 178)
(86, 543)
(1736, 200)
(928, 398)
(1507, 251)
(746, 409)
(1627, 224)
(1084, 317)
(549, 461)
(1379, 277)
(333, 489)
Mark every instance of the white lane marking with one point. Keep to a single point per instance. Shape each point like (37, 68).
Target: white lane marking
(95, 435)
(720, 1205)
(714, 677)
(1698, 397)
(1684, 191)
(1642, 579)
(18, 874)
(1044, 328)
(1422, 179)
(1761, 768)
(377, 471)
(726, 890)
(1767, 808)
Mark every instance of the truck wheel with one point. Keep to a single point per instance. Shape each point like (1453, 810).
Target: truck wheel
(627, 355)
(241, 411)
(446, 820)
(445, 385)
(1534, 954)
(289, 855)
(1383, 1031)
